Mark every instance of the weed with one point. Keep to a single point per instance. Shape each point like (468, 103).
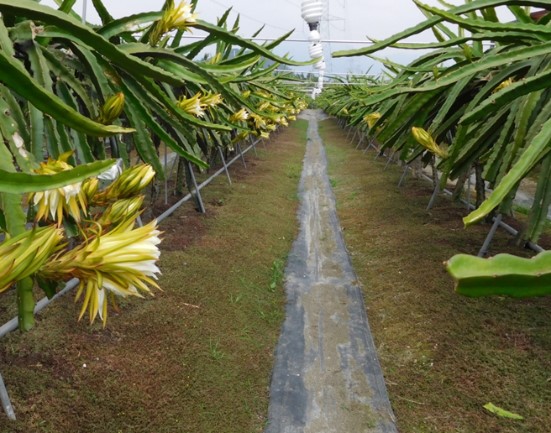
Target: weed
(214, 349)
(276, 273)
(521, 209)
(294, 171)
(236, 298)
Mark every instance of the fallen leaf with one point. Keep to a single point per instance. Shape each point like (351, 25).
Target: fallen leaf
(490, 407)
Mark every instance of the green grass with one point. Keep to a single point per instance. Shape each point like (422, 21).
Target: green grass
(443, 356)
(198, 356)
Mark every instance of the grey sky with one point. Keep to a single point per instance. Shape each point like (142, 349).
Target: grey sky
(345, 20)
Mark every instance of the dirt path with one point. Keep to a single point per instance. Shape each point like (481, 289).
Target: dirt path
(327, 377)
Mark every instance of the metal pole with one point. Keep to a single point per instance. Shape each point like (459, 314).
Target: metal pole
(512, 231)
(174, 163)
(241, 154)
(370, 144)
(436, 180)
(5, 398)
(166, 176)
(468, 195)
(491, 234)
(224, 164)
(197, 192)
(355, 135)
(433, 197)
(251, 141)
(389, 159)
(404, 175)
(362, 138)
(188, 197)
(348, 133)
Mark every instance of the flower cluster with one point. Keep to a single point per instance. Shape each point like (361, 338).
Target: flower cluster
(120, 262)
(198, 103)
(108, 255)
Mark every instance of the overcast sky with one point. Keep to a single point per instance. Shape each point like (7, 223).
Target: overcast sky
(350, 20)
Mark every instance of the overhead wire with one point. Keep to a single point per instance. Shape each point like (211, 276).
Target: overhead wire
(248, 16)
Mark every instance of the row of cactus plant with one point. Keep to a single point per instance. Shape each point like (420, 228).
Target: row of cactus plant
(477, 102)
(75, 97)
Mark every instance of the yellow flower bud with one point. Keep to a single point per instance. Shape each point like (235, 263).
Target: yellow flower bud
(263, 106)
(240, 137)
(425, 139)
(130, 183)
(22, 256)
(90, 188)
(215, 59)
(211, 99)
(504, 84)
(121, 210)
(371, 119)
(112, 109)
(257, 121)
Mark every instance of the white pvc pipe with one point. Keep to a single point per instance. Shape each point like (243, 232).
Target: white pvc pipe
(84, 10)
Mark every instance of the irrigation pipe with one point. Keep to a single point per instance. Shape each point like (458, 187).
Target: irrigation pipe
(5, 399)
(12, 325)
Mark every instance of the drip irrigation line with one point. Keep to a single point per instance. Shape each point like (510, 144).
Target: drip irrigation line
(12, 325)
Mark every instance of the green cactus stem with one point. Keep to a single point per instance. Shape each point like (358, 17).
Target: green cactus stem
(503, 274)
